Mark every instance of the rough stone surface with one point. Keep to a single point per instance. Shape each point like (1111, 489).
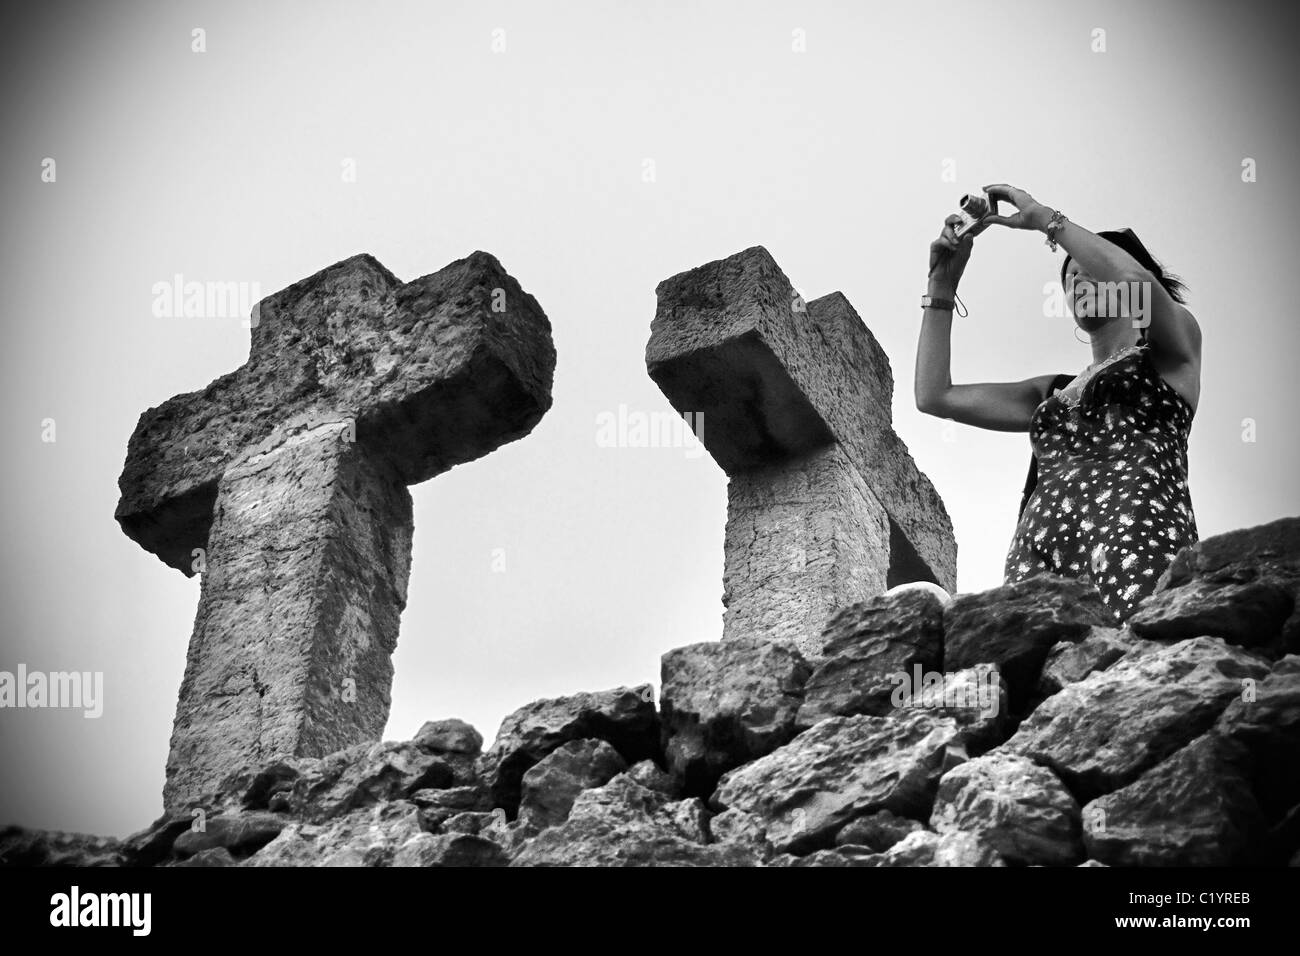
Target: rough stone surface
(438, 806)
(211, 857)
(240, 832)
(152, 845)
(626, 824)
(802, 536)
(1193, 809)
(552, 784)
(1266, 724)
(449, 850)
(977, 699)
(739, 827)
(650, 775)
(1072, 661)
(837, 856)
(876, 831)
(310, 540)
(1177, 754)
(826, 506)
(918, 848)
(1015, 626)
(1019, 809)
(866, 647)
(845, 766)
(1101, 733)
(726, 703)
(624, 717)
(1250, 614)
(22, 847)
(369, 836)
(449, 736)
(284, 483)
(360, 776)
(1267, 555)
(927, 848)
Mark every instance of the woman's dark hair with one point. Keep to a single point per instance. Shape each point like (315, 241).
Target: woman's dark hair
(1127, 240)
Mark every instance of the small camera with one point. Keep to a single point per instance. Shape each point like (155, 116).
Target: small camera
(973, 210)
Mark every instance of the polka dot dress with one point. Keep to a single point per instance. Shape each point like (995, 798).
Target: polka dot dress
(1111, 504)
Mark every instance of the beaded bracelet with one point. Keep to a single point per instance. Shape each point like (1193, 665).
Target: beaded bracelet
(1055, 223)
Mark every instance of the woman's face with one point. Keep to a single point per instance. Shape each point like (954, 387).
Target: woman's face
(1081, 296)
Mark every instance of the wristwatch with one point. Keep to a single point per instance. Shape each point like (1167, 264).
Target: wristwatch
(934, 302)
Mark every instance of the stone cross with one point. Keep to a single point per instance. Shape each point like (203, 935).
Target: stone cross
(825, 506)
(284, 484)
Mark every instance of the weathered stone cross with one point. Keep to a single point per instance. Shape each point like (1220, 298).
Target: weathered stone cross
(284, 483)
(825, 506)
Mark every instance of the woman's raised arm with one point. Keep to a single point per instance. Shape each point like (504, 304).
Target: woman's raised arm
(999, 406)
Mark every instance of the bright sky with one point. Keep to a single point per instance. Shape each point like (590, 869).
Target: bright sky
(226, 166)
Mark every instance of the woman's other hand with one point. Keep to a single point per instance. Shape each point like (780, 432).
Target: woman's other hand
(948, 258)
(1029, 214)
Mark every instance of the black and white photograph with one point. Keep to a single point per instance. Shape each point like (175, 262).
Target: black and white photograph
(688, 435)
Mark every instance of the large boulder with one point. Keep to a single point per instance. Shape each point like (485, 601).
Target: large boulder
(725, 703)
(1231, 585)
(842, 768)
(918, 848)
(552, 784)
(369, 836)
(927, 848)
(624, 717)
(1265, 721)
(1250, 612)
(1103, 732)
(866, 646)
(241, 834)
(1193, 809)
(1015, 806)
(449, 736)
(363, 775)
(649, 774)
(449, 850)
(737, 826)
(839, 856)
(153, 844)
(1014, 627)
(438, 806)
(876, 831)
(626, 824)
(1072, 661)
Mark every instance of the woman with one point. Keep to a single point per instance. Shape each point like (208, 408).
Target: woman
(1107, 499)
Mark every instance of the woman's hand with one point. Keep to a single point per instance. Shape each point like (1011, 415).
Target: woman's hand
(1029, 214)
(948, 257)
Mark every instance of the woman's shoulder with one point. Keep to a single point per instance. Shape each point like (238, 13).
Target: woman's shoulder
(1181, 379)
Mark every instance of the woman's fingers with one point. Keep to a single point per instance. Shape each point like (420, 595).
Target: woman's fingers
(1001, 220)
(1017, 197)
(952, 220)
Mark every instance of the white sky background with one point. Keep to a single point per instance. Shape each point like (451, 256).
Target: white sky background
(225, 166)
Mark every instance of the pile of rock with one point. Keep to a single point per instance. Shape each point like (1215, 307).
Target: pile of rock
(1007, 727)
